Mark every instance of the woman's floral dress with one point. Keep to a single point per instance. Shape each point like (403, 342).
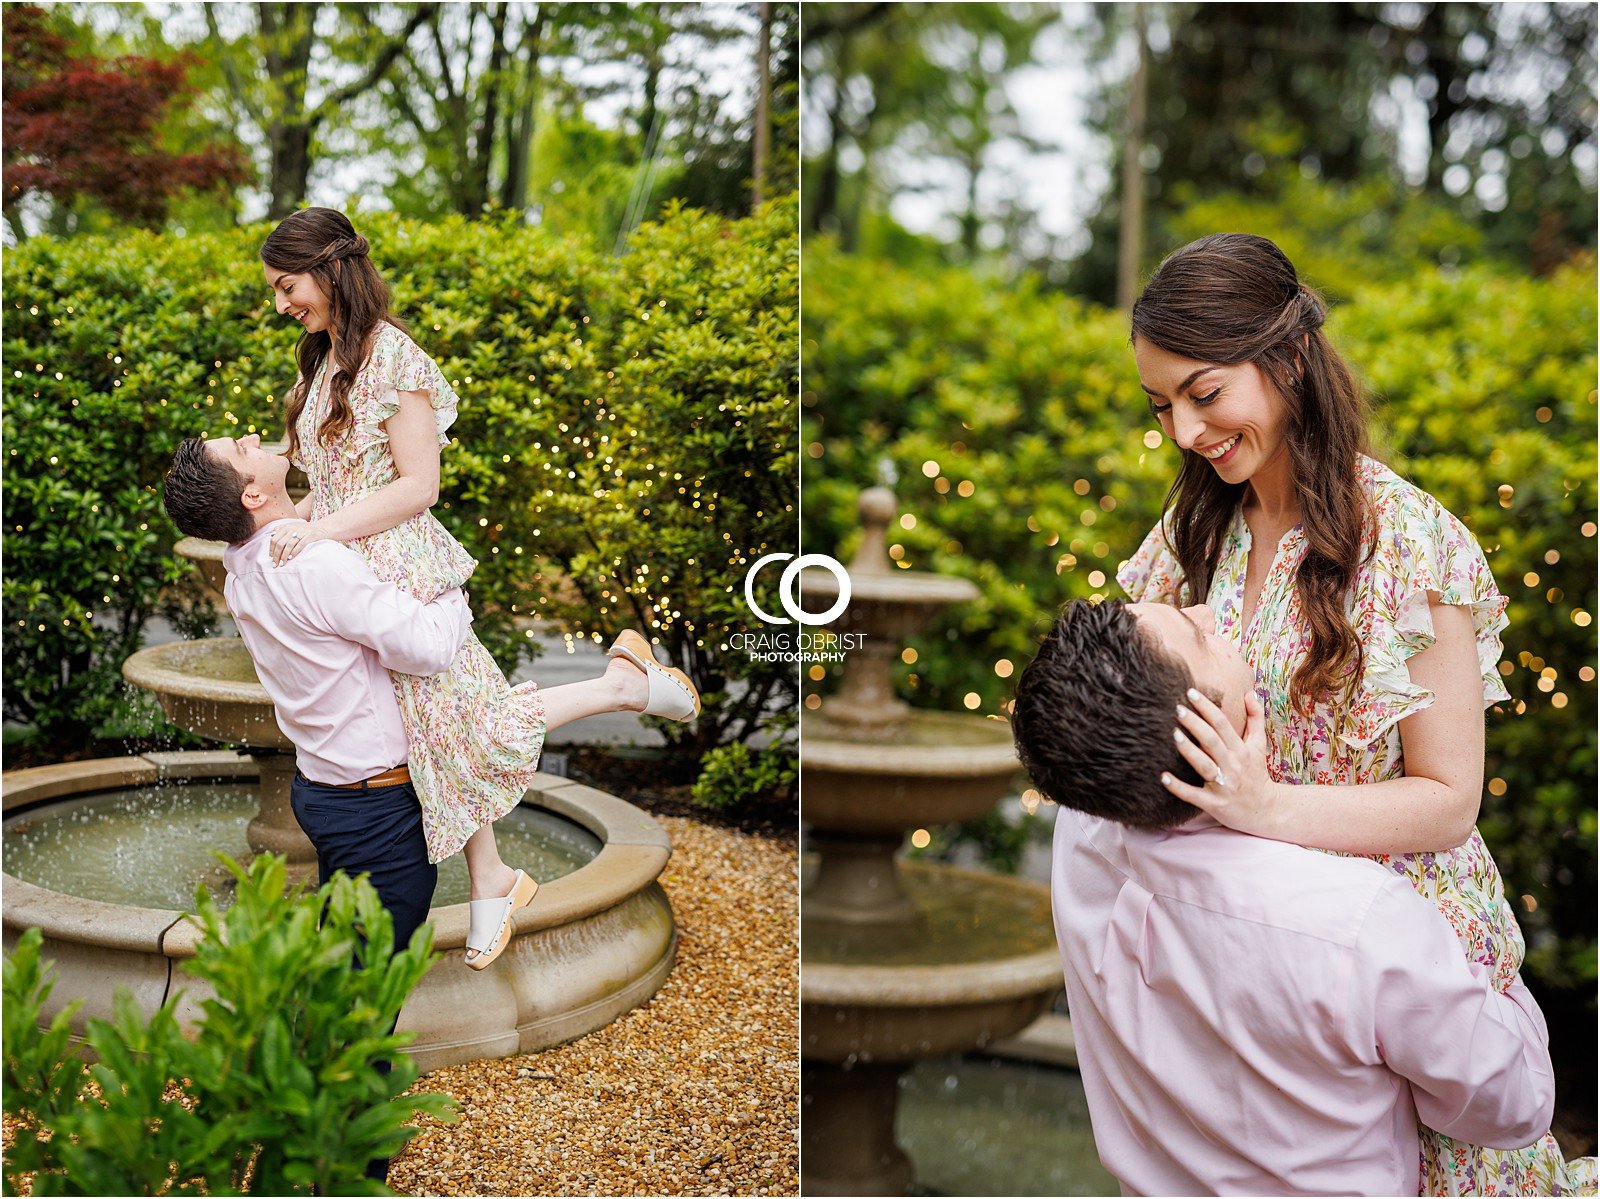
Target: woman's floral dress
(1421, 548)
(474, 740)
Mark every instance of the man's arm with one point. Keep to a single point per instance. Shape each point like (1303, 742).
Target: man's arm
(1478, 1061)
(407, 635)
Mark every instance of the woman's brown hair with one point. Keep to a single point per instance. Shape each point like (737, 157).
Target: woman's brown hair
(322, 243)
(1235, 297)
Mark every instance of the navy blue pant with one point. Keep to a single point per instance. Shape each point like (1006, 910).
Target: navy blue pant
(378, 832)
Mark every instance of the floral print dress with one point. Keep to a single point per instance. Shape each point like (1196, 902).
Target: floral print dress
(1421, 548)
(474, 740)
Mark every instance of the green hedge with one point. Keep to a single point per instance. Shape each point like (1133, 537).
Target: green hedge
(1026, 462)
(625, 445)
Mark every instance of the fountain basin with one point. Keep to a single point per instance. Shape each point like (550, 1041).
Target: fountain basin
(210, 688)
(207, 557)
(970, 960)
(934, 768)
(869, 1015)
(975, 963)
(596, 942)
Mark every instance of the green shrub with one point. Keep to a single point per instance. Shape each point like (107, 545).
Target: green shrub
(623, 419)
(1343, 235)
(732, 776)
(1028, 463)
(277, 1091)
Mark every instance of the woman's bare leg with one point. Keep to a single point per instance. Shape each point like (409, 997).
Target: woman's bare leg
(622, 688)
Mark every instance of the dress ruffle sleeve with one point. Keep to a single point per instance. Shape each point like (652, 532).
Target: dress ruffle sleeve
(399, 364)
(1421, 549)
(1152, 575)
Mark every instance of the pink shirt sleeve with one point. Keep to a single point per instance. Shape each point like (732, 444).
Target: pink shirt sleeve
(408, 635)
(1478, 1061)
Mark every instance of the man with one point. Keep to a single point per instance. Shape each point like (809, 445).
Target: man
(324, 632)
(1252, 1017)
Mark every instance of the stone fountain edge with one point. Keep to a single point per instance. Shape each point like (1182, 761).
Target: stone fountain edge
(634, 851)
(931, 986)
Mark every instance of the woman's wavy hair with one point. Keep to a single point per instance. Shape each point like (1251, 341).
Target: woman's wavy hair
(322, 243)
(1231, 298)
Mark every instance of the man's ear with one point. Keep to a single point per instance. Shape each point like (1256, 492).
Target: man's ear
(253, 496)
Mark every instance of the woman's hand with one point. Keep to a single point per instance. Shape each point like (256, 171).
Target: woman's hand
(1239, 793)
(292, 536)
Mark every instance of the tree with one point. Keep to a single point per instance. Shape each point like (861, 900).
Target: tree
(1246, 99)
(832, 36)
(268, 72)
(761, 145)
(929, 82)
(783, 157)
(82, 127)
(468, 93)
(718, 142)
(473, 101)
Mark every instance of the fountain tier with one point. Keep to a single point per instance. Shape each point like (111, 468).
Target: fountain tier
(210, 688)
(900, 960)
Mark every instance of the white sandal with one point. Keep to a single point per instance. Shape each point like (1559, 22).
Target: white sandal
(672, 695)
(489, 926)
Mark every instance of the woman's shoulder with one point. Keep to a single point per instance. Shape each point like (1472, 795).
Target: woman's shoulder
(1416, 534)
(391, 341)
(398, 362)
(1153, 574)
(1398, 503)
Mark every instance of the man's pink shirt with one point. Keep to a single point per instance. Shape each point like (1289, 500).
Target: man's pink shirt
(1258, 1018)
(324, 632)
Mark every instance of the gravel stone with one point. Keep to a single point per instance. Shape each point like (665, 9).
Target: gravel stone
(694, 1093)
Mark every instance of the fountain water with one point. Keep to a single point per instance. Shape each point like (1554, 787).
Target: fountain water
(102, 855)
(901, 961)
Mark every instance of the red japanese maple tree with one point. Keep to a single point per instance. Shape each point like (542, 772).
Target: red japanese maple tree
(87, 126)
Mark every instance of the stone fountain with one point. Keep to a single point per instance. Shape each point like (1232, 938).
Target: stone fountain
(900, 960)
(104, 855)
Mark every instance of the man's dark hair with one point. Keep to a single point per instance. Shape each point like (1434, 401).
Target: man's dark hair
(203, 496)
(1094, 716)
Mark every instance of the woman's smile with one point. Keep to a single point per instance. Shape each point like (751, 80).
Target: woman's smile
(1222, 451)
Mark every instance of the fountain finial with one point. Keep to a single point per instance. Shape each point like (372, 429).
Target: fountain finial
(875, 507)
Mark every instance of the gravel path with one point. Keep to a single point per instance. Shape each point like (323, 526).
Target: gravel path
(695, 1093)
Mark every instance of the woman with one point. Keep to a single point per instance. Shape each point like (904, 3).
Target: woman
(1367, 611)
(366, 419)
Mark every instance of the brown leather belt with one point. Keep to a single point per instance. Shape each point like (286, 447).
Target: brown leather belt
(389, 778)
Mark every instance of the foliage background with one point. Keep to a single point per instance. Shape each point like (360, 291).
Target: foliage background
(618, 414)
